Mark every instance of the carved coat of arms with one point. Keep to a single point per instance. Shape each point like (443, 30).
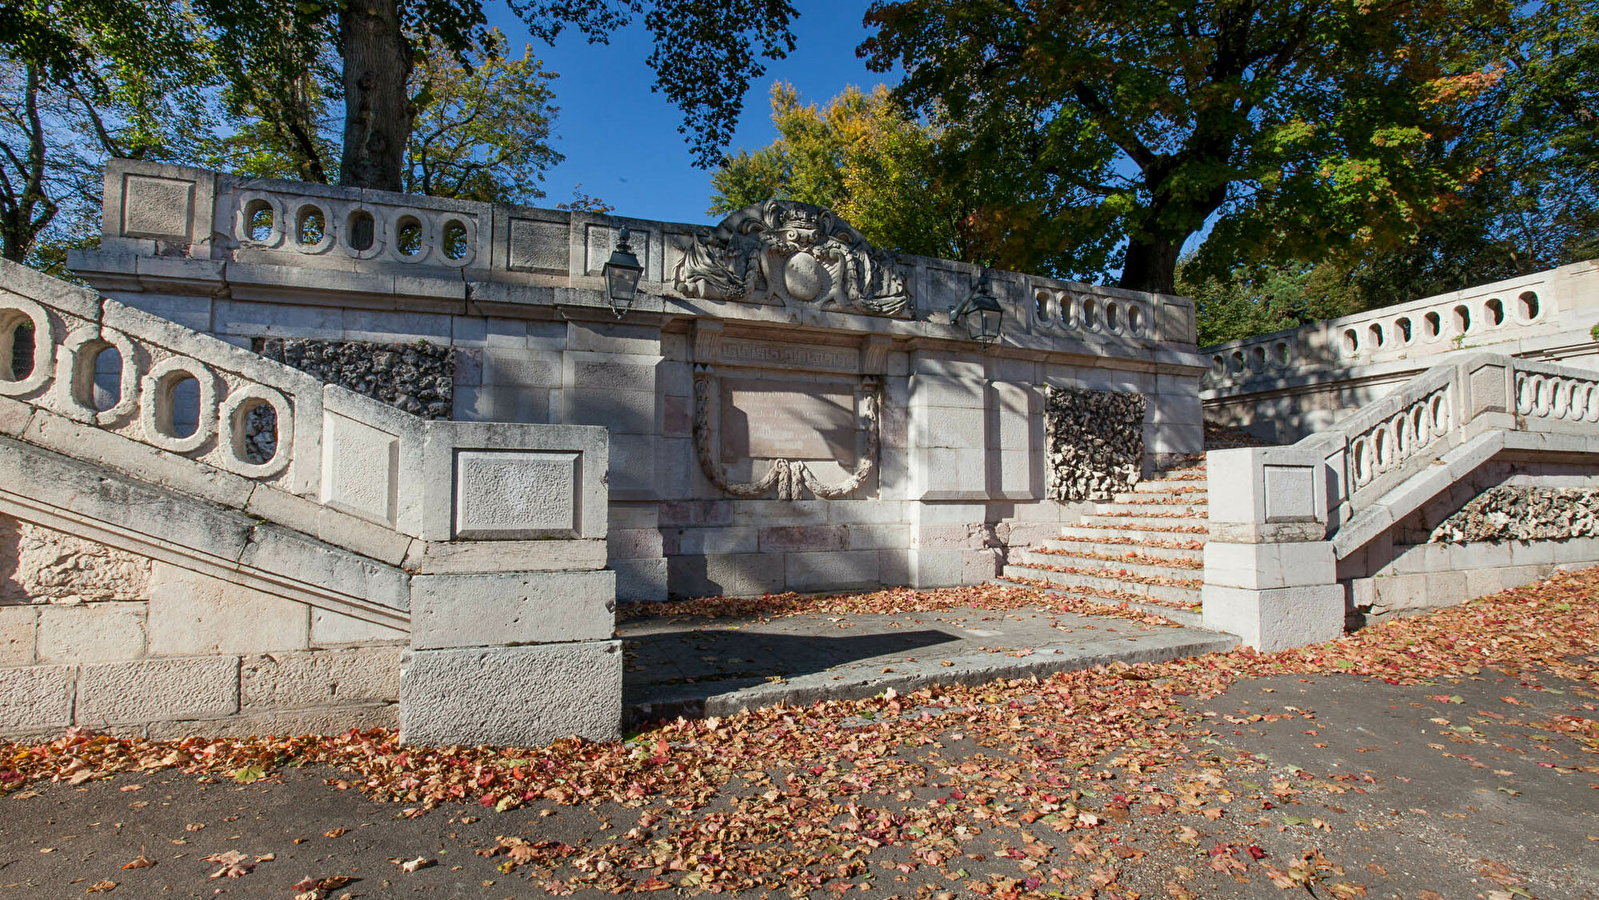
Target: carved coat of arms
(785, 251)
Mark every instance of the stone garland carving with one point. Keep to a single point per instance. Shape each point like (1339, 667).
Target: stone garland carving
(418, 378)
(785, 251)
(1508, 513)
(1096, 443)
(787, 476)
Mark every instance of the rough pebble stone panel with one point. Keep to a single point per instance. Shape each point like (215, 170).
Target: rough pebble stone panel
(1523, 514)
(1096, 443)
(158, 690)
(418, 378)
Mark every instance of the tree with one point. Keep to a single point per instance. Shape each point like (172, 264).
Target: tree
(74, 91)
(1287, 126)
(864, 157)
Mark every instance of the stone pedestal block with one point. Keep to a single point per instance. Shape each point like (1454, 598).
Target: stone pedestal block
(512, 696)
(1278, 618)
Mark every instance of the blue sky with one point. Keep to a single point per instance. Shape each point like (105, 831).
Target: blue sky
(621, 140)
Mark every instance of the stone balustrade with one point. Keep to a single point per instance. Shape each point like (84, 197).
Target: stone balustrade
(1283, 519)
(1288, 384)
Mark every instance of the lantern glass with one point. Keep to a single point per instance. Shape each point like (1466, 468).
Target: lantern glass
(622, 273)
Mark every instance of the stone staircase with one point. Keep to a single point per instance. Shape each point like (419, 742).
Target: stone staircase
(1145, 549)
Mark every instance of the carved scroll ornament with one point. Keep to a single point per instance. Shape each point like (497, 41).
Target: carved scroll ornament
(782, 251)
(786, 476)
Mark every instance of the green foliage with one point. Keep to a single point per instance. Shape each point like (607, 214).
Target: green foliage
(482, 131)
(862, 156)
(1247, 303)
(1291, 128)
(583, 202)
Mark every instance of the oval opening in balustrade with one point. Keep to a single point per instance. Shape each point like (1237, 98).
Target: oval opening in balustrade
(1063, 309)
(1351, 342)
(1218, 366)
(1561, 400)
(311, 228)
(1402, 328)
(258, 220)
(1090, 313)
(362, 230)
(1433, 324)
(1112, 317)
(1041, 307)
(1280, 353)
(1401, 432)
(1237, 362)
(1360, 453)
(1527, 306)
(1418, 425)
(1381, 442)
(16, 345)
(1440, 415)
(106, 384)
(408, 237)
(178, 405)
(1376, 335)
(1135, 320)
(1257, 359)
(1462, 319)
(255, 432)
(455, 242)
(1494, 310)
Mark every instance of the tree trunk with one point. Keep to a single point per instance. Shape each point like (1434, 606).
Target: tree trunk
(377, 108)
(1150, 264)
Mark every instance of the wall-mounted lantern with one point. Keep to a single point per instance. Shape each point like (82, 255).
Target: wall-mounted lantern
(622, 272)
(980, 312)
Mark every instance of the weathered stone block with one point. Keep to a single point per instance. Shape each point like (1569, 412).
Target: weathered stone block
(511, 608)
(17, 624)
(193, 614)
(803, 538)
(360, 468)
(320, 678)
(1276, 619)
(640, 580)
(311, 720)
(879, 537)
(157, 690)
(36, 697)
(158, 208)
(832, 570)
(331, 629)
(731, 575)
(91, 633)
(512, 696)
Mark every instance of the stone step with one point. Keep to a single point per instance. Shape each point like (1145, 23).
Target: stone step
(1161, 487)
(1198, 498)
(1170, 593)
(1188, 617)
(1127, 520)
(1145, 566)
(1151, 509)
(1144, 548)
(1163, 532)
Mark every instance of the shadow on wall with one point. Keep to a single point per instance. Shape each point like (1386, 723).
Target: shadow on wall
(38, 564)
(11, 589)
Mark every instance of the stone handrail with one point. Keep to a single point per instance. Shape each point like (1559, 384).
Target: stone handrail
(1281, 518)
(279, 444)
(1504, 311)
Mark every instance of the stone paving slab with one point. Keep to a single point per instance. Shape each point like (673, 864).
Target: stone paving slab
(699, 667)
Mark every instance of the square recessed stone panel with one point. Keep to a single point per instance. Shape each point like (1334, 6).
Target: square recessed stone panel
(601, 240)
(1290, 493)
(360, 468)
(539, 246)
(158, 208)
(516, 495)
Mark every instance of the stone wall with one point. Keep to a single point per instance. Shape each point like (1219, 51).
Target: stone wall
(789, 408)
(1096, 443)
(1523, 513)
(100, 638)
(418, 378)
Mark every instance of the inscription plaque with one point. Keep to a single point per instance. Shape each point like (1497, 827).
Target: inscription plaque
(772, 420)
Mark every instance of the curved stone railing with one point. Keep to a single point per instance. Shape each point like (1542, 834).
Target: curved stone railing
(444, 233)
(127, 378)
(1491, 314)
(1282, 518)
